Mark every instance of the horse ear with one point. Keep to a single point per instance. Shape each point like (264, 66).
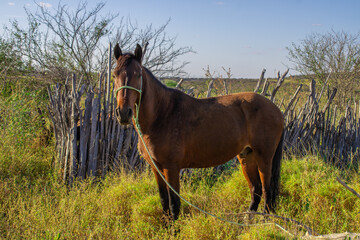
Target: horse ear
(138, 52)
(117, 51)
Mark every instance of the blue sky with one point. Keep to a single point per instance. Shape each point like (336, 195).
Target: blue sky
(243, 35)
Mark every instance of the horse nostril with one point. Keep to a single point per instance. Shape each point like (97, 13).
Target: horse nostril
(130, 112)
(117, 112)
(123, 116)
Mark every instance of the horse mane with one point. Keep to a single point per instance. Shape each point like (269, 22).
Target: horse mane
(126, 59)
(155, 79)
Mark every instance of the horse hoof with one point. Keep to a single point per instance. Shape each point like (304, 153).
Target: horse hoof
(248, 218)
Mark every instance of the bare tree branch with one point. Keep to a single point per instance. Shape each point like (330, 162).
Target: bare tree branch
(63, 40)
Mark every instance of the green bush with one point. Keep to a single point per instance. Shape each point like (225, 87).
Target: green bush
(170, 83)
(25, 136)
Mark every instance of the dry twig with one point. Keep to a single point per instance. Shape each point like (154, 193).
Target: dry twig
(307, 228)
(347, 187)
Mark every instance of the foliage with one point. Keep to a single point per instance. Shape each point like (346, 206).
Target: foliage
(170, 83)
(25, 135)
(11, 64)
(61, 41)
(334, 54)
(10, 59)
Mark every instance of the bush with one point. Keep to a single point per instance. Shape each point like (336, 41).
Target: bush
(170, 83)
(25, 134)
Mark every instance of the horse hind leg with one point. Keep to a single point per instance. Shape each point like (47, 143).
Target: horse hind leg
(258, 171)
(265, 172)
(250, 170)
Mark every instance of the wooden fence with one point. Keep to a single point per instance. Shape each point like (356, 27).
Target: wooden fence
(90, 142)
(319, 130)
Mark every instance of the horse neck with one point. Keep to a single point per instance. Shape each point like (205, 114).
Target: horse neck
(154, 100)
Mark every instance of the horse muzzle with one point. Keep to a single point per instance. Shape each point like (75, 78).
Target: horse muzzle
(123, 115)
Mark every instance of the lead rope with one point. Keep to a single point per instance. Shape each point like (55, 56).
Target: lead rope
(137, 126)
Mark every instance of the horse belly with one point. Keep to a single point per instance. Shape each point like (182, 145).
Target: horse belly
(213, 150)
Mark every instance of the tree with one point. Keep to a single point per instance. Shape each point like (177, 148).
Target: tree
(10, 62)
(60, 41)
(336, 55)
(9, 59)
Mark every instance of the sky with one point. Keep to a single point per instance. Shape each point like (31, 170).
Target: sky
(245, 36)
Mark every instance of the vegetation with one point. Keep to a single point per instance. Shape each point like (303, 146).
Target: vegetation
(127, 206)
(333, 57)
(170, 83)
(25, 133)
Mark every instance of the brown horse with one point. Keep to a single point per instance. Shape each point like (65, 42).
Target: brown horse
(185, 132)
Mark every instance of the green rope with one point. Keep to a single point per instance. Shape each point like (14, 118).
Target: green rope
(137, 107)
(129, 87)
(137, 126)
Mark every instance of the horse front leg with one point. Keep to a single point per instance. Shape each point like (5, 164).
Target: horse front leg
(172, 176)
(163, 191)
(169, 200)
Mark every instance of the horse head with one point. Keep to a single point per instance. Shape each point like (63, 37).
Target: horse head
(128, 83)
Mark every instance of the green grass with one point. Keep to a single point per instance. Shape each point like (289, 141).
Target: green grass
(127, 206)
(25, 139)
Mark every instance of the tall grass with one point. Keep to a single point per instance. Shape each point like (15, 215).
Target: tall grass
(25, 137)
(127, 206)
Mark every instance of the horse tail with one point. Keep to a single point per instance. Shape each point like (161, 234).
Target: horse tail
(275, 174)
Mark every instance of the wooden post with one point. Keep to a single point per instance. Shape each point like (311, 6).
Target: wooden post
(85, 134)
(261, 79)
(74, 133)
(278, 84)
(93, 141)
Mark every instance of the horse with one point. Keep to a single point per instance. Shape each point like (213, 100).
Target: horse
(185, 132)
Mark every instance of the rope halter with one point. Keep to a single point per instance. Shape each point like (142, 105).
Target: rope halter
(137, 106)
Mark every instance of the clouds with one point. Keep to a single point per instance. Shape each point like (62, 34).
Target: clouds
(41, 4)
(45, 5)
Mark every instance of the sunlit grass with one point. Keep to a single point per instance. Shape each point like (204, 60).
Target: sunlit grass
(127, 206)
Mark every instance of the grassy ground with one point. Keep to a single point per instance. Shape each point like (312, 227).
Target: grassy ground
(127, 206)
(35, 205)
